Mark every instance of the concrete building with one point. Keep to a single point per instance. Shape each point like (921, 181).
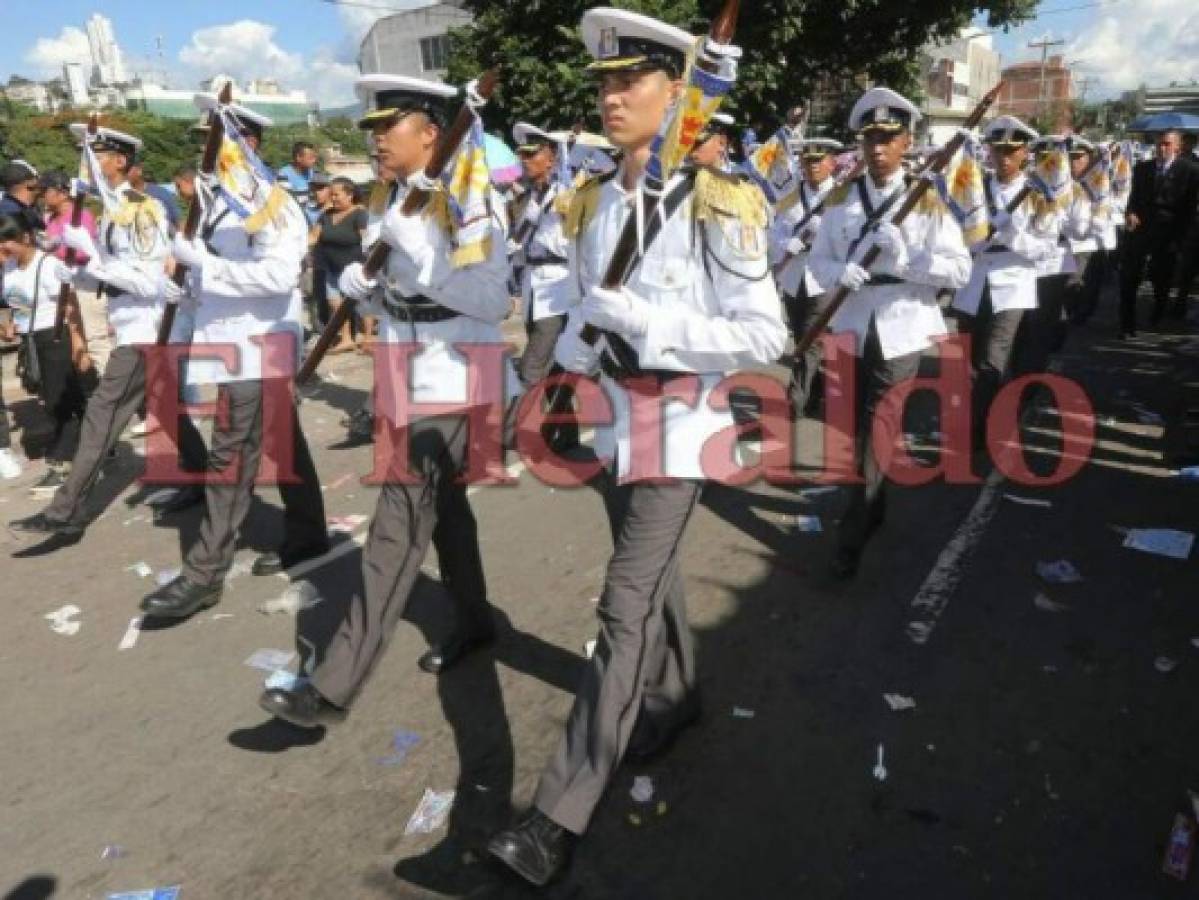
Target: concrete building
(1175, 98)
(957, 74)
(76, 84)
(414, 42)
(1032, 91)
(108, 65)
(30, 93)
(283, 107)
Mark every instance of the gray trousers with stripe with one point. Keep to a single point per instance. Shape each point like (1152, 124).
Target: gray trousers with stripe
(644, 656)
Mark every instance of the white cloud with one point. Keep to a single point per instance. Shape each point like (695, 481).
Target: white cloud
(1149, 42)
(246, 49)
(47, 55)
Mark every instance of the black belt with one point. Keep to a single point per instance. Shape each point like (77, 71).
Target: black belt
(880, 280)
(113, 292)
(418, 309)
(998, 248)
(546, 261)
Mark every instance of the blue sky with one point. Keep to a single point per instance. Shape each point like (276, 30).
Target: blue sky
(312, 44)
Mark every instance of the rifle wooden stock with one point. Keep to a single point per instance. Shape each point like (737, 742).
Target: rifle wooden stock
(212, 147)
(414, 202)
(802, 224)
(939, 162)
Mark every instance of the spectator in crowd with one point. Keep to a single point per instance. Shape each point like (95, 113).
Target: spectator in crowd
(58, 207)
(336, 240)
(297, 174)
(32, 281)
(185, 184)
(90, 344)
(19, 181)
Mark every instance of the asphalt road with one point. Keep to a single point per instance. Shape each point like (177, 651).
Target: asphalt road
(1045, 757)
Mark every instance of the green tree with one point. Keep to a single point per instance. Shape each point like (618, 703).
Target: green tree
(790, 47)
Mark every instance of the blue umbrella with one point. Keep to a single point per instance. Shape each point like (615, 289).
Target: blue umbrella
(1171, 121)
(502, 162)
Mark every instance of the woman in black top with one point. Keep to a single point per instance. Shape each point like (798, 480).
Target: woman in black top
(336, 239)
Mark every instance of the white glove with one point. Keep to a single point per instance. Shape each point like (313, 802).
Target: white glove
(81, 241)
(192, 254)
(796, 246)
(406, 233)
(889, 239)
(173, 292)
(620, 311)
(853, 276)
(354, 284)
(572, 354)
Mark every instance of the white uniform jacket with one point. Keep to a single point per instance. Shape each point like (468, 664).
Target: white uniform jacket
(713, 309)
(544, 279)
(905, 313)
(1008, 265)
(782, 230)
(249, 288)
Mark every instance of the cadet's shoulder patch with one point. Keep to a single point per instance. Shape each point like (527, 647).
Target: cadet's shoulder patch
(931, 204)
(720, 195)
(577, 205)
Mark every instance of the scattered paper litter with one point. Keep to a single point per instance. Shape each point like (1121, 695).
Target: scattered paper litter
(430, 813)
(880, 770)
(61, 620)
(167, 893)
(269, 660)
(299, 596)
(1045, 604)
(166, 576)
(740, 712)
(1162, 541)
(809, 524)
(332, 486)
(589, 648)
(1189, 473)
(112, 851)
(345, 524)
(140, 569)
(284, 680)
(401, 743)
(643, 789)
(1027, 501)
(1165, 664)
(898, 702)
(1061, 571)
(131, 634)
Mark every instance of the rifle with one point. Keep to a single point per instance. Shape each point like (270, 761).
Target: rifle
(939, 162)
(620, 266)
(816, 210)
(212, 148)
(415, 201)
(65, 292)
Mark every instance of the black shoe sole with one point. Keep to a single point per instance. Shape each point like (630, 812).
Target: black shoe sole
(207, 603)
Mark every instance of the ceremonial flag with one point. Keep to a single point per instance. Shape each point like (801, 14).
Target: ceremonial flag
(247, 184)
(467, 185)
(1122, 160)
(1051, 176)
(773, 166)
(961, 189)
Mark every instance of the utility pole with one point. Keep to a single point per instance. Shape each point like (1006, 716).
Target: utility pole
(1044, 44)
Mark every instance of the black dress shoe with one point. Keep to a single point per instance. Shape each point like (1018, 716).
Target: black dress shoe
(845, 563)
(181, 599)
(183, 498)
(651, 738)
(536, 848)
(273, 562)
(453, 649)
(303, 707)
(41, 524)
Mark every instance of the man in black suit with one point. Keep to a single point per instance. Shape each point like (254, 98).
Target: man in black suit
(1188, 263)
(1159, 213)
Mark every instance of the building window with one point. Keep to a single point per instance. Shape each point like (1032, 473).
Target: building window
(434, 52)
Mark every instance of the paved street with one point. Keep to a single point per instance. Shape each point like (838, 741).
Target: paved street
(1045, 757)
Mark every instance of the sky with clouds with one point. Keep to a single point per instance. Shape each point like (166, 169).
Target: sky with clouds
(312, 44)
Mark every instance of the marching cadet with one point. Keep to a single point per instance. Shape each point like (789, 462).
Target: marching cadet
(1042, 331)
(130, 262)
(1003, 280)
(892, 310)
(1088, 227)
(699, 303)
(423, 297)
(796, 221)
(544, 274)
(246, 286)
(714, 145)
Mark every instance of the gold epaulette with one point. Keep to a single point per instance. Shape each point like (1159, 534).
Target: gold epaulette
(838, 195)
(438, 209)
(720, 195)
(137, 208)
(577, 205)
(931, 204)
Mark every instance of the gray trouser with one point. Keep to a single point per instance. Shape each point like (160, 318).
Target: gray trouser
(992, 336)
(120, 393)
(537, 362)
(644, 655)
(238, 441)
(1041, 330)
(407, 518)
(875, 377)
(802, 311)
